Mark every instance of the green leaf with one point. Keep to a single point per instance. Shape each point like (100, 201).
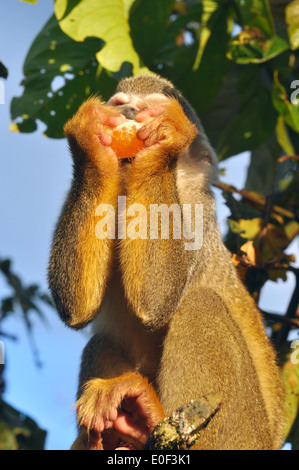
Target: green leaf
(241, 209)
(19, 432)
(264, 156)
(148, 22)
(246, 228)
(251, 47)
(255, 14)
(34, 2)
(283, 137)
(255, 121)
(107, 20)
(54, 54)
(3, 70)
(224, 107)
(292, 20)
(257, 42)
(7, 306)
(208, 75)
(285, 108)
(23, 298)
(290, 375)
(175, 57)
(207, 24)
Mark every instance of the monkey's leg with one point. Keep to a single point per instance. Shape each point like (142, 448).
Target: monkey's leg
(81, 260)
(206, 353)
(114, 403)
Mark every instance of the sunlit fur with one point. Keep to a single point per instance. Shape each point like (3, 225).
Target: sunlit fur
(182, 319)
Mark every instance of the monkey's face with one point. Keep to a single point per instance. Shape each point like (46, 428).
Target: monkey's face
(130, 104)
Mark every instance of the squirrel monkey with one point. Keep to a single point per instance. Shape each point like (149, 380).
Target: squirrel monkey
(170, 324)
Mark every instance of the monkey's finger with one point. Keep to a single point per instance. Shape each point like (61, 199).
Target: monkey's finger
(111, 120)
(148, 113)
(144, 133)
(105, 139)
(133, 427)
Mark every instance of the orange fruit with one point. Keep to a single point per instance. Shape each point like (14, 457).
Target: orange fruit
(125, 143)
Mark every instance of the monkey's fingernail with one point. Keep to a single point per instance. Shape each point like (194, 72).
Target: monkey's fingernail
(105, 139)
(117, 120)
(143, 133)
(142, 116)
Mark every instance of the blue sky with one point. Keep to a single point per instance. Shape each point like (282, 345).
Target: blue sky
(35, 173)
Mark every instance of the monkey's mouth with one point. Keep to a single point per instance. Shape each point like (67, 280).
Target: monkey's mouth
(128, 111)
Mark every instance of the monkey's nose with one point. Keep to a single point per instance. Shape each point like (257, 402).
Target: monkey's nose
(128, 111)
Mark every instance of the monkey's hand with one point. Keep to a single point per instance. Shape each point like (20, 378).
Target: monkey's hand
(125, 408)
(88, 137)
(166, 132)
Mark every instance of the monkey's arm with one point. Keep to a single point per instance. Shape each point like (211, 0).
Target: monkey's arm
(155, 271)
(80, 262)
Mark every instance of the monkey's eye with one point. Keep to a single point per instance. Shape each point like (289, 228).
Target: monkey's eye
(117, 103)
(118, 99)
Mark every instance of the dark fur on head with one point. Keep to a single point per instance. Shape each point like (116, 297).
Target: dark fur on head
(146, 84)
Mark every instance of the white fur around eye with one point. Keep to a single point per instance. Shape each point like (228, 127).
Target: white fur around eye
(157, 97)
(118, 99)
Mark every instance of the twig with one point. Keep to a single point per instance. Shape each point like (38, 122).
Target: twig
(259, 200)
(181, 430)
(276, 317)
(269, 200)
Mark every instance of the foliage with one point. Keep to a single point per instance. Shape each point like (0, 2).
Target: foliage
(236, 61)
(23, 299)
(3, 70)
(290, 374)
(19, 432)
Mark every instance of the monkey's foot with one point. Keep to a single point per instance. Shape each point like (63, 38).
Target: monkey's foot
(127, 406)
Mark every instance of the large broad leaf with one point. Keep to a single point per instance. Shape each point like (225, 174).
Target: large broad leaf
(54, 54)
(257, 42)
(255, 121)
(264, 156)
(292, 19)
(176, 55)
(148, 21)
(106, 20)
(211, 66)
(224, 107)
